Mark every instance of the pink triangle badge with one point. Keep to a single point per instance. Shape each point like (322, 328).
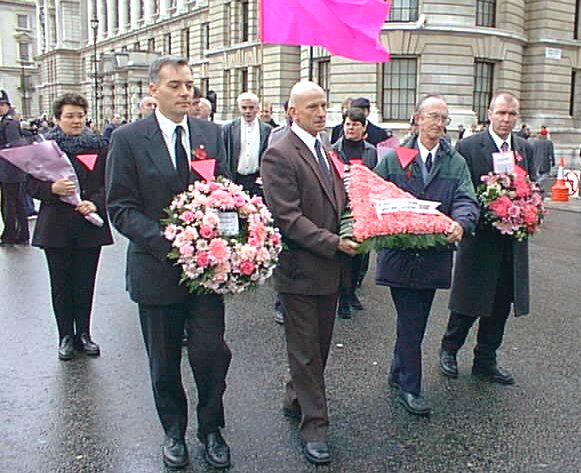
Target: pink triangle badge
(88, 160)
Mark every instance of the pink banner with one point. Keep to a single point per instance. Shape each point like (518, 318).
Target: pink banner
(348, 28)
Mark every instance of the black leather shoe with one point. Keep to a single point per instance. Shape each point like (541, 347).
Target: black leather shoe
(344, 310)
(448, 364)
(493, 374)
(66, 348)
(279, 317)
(294, 414)
(356, 303)
(216, 450)
(317, 452)
(393, 383)
(175, 453)
(416, 405)
(88, 346)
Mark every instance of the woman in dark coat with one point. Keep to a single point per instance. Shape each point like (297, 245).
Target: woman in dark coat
(71, 243)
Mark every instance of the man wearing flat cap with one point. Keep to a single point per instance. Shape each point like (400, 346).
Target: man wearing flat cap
(11, 181)
(375, 134)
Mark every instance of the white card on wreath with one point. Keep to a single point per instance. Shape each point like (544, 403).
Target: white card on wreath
(503, 162)
(229, 224)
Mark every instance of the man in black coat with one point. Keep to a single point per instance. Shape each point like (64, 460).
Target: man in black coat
(149, 163)
(492, 270)
(12, 181)
(375, 134)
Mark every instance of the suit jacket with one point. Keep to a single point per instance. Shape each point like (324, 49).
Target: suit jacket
(231, 135)
(58, 224)
(544, 155)
(478, 262)
(307, 208)
(141, 182)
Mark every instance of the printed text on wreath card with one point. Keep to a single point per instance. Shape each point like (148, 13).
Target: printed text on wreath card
(229, 224)
(387, 206)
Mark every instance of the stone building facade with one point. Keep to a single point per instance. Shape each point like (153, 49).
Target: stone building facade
(463, 49)
(18, 72)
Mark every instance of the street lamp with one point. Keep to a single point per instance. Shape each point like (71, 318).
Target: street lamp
(95, 28)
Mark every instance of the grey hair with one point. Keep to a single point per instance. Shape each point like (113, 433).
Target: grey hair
(508, 96)
(162, 61)
(425, 98)
(247, 96)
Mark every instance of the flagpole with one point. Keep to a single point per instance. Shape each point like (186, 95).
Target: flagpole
(311, 63)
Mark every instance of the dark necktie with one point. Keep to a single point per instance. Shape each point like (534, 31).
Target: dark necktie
(322, 161)
(504, 147)
(429, 163)
(182, 164)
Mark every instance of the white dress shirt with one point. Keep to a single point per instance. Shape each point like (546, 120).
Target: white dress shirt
(498, 140)
(168, 131)
(248, 161)
(309, 141)
(425, 151)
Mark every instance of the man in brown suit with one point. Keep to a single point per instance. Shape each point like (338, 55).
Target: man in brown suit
(306, 198)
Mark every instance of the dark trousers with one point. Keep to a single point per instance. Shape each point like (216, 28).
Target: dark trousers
(490, 328)
(309, 329)
(72, 282)
(14, 213)
(248, 183)
(413, 308)
(209, 357)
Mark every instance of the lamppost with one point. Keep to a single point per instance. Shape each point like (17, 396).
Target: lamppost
(95, 28)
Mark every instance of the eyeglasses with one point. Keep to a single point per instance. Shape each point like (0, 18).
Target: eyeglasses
(445, 119)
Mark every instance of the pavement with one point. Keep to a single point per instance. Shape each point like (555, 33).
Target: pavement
(97, 415)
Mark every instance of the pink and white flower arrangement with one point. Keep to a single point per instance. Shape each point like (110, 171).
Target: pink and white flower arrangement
(224, 240)
(512, 204)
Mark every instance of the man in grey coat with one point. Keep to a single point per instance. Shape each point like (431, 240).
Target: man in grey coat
(492, 270)
(245, 140)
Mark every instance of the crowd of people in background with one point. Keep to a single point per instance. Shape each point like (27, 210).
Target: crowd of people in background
(267, 159)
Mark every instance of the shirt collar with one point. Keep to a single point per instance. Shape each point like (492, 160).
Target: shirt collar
(251, 124)
(305, 136)
(168, 126)
(425, 151)
(498, 140)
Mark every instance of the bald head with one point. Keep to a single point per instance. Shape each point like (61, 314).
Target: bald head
(308, 107)
(302, 89)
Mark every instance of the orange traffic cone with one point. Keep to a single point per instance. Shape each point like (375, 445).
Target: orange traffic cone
(560, 191)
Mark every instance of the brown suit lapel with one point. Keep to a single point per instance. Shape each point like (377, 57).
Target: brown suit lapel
(306, 155)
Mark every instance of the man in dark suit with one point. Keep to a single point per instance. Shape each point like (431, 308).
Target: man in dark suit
(306, 198)
(245, 140)
(375, 134)
(544, 155)
(492, 270)
(12, 181)
(149, 163)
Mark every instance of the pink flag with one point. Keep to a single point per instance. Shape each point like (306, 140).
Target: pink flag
(348, 28)
(88, 160)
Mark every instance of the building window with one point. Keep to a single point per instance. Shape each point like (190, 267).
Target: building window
(486, 13)
(323, 76)
(244, 19)
(403, 11)
(399, 86)
(141, 10)
(22, 21)
(204, 37)
(576, 22)
(186, 43)
(244, 79)
(227, 24)
(24, 51)
(136, 46)
(483, 82)
(573, 105)
(151, 45)
(167, 43)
